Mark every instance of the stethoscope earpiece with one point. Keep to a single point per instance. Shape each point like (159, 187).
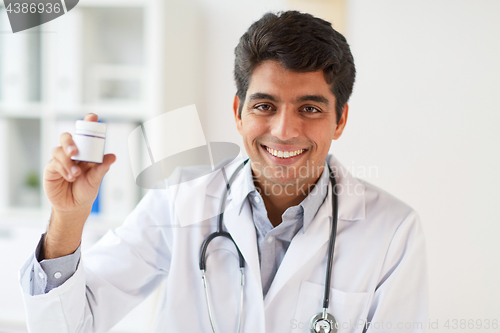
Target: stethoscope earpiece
(323, 323)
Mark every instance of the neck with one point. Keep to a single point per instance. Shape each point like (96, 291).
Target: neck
(278, 201)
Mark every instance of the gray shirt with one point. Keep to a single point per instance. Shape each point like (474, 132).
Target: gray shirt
(272, 241)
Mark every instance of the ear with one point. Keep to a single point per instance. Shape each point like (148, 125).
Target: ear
(342, 122)
(237, 118)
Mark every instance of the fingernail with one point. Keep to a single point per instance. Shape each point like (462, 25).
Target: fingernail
(70, 149)
(70, 176)
(74, 170)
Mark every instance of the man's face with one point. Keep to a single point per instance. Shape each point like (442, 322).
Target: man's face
(291, 115)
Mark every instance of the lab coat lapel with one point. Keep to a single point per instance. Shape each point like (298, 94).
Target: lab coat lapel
(242, 229)
(303, 246)
(350, 192)
(238, 218)
(206, 191)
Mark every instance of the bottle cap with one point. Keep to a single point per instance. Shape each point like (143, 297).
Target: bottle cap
(91, 128)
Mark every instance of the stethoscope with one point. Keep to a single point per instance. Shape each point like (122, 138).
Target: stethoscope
(323, 322)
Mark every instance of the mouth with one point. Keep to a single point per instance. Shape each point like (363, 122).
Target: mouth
(285, 154)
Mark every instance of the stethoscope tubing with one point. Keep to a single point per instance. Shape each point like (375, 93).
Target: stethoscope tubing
(220, 232)
(220, 218)
(225, 234)
(333, 237)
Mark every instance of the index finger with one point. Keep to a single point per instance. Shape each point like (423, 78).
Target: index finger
(91, 117)
(67, 144)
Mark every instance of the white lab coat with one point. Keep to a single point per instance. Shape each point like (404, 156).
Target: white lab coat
(379, 270)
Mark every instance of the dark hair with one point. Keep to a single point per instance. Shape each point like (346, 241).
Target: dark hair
(301, 43)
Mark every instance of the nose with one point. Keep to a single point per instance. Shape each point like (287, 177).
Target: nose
(285, 124)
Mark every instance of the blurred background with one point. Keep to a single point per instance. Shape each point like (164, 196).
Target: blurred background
(422, 121)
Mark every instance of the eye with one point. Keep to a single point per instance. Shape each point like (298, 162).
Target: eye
(263, 107)
(311, 109)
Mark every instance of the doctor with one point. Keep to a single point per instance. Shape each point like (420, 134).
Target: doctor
(294, 75)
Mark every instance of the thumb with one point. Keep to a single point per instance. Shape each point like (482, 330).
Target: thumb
(96, 173)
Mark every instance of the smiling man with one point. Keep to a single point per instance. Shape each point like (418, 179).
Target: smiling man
(288, 121)
(318, 250)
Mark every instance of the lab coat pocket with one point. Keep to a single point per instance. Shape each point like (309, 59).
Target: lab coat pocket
(349, 309)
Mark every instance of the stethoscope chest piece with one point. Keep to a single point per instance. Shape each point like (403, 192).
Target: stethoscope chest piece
(323, 323)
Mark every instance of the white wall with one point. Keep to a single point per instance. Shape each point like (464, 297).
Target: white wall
(224, 21)
(425, 112)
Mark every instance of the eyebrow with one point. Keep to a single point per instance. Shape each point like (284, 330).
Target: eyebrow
(312, 98)
(257, 96)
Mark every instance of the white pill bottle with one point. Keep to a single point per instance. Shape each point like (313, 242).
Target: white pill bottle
(89, 139)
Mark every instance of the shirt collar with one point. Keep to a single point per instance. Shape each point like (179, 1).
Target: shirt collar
(310, 205)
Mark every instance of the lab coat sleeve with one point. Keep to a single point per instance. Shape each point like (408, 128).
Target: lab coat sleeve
(400, 301)
(113, 277)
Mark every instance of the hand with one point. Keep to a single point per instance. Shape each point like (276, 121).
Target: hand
(72, 186)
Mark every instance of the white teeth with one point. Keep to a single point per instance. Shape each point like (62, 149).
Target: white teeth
(284, 154)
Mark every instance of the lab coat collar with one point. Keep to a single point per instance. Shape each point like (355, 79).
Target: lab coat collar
(350, 192)
(207, 190)
(316, 198)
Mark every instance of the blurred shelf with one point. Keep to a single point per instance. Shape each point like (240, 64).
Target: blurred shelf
(37, 217)
(23, 217)
(124, 111)
(22, 110)
(111, 111)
